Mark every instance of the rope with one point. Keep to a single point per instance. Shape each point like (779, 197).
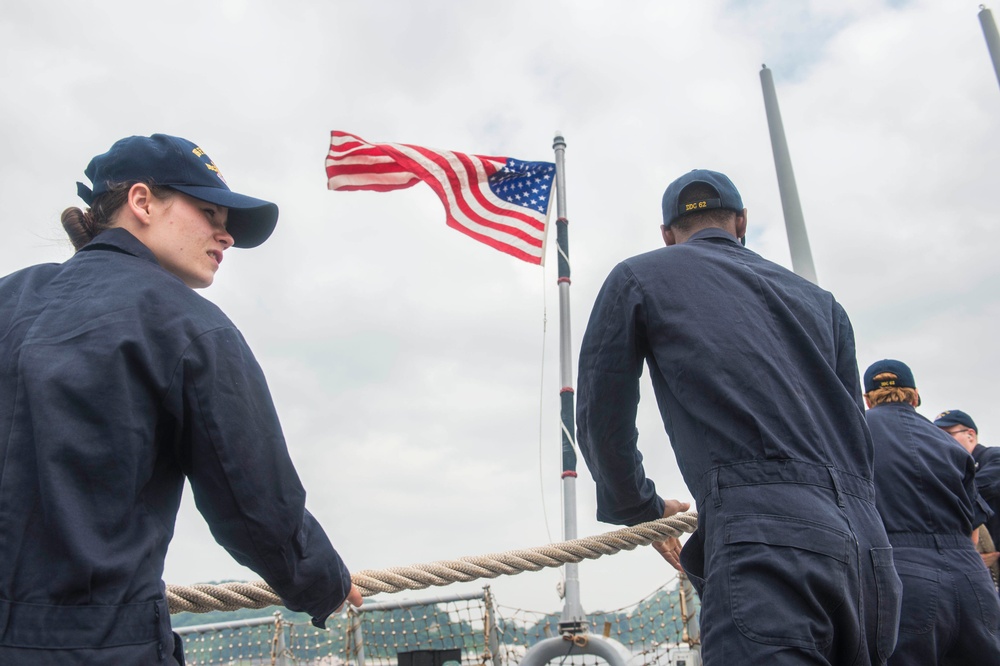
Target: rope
(203, 598)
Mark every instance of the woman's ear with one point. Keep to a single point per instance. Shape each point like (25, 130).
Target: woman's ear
(139, 202)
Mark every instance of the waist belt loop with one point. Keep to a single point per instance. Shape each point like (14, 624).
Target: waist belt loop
(836, 486)
(714, 486)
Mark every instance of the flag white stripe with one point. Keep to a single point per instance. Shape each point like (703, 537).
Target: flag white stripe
(364, 159)
(399, 179)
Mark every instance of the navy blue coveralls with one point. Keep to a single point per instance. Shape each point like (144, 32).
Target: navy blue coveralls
(988, 482)
(926, 493)
(756, 379)
(118, 382)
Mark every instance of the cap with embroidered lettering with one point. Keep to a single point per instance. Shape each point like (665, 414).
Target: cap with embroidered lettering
(726, 195)
(903, 376)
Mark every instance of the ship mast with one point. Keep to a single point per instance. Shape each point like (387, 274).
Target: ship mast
(795, 226)
(992, 38)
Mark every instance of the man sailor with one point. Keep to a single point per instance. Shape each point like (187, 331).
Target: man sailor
(963, 429)
(755, 376)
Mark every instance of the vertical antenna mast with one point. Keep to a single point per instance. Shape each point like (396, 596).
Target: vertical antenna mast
(572, 619)
(795, 226)
(992, 38)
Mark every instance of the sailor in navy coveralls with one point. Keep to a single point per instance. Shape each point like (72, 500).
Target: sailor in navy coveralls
(963, 430)
(756, 379)
(926, 492)
(119, 382)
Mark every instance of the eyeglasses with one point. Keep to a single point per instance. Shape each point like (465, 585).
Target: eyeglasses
(959, 432)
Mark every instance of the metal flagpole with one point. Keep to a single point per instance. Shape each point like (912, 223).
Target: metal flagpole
(795, 226)
(992, 38)
(572, 619)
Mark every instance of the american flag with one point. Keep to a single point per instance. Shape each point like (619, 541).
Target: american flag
(499, 201)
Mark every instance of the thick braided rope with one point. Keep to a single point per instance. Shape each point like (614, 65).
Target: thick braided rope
(232, 596)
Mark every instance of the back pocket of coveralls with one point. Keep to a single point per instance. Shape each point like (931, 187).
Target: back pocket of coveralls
(920, 597)
(787, 578)
(889, 594)
(989, 603)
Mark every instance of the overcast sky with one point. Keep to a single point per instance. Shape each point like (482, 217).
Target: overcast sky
(415, 370)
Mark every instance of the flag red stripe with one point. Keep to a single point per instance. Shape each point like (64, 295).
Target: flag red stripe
(495, 244)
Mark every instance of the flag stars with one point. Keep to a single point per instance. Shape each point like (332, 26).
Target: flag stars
(524, 184)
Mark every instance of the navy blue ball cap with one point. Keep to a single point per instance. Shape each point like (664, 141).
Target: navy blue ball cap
(728, 196)
(179, 164)
(904, 376)
(954, 417)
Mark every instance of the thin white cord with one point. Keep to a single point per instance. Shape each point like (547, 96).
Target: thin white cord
(541, 407)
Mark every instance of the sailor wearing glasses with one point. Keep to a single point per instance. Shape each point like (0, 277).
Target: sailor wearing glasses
(960, 425)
